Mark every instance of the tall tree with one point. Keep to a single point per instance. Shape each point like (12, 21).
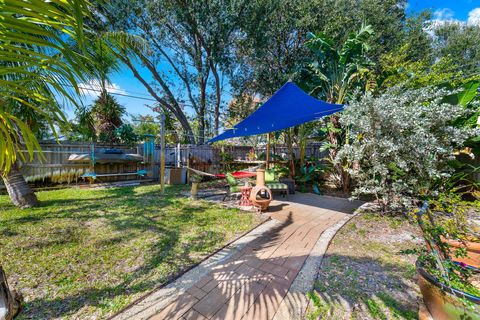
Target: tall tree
(271, 47)
(37, 63)
(461, 42)
(188, 45)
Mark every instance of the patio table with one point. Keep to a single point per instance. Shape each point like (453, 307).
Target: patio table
(245, 199)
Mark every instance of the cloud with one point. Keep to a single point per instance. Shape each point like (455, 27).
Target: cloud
(474, 17)
(443, 14)
(93, 87)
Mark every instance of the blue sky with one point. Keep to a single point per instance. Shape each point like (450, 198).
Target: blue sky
(123, 82)
(458, 8)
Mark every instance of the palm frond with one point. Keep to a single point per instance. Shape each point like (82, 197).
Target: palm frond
(37, 65)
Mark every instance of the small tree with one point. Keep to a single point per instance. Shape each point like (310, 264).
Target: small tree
(107, 114)
(401, 143)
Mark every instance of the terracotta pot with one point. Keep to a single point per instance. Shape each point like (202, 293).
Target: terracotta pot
(444, 302)
(473, 251)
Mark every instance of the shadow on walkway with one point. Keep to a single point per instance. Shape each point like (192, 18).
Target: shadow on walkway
(253, 282)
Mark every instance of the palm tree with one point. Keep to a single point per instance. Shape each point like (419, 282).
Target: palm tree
(38, 66)
(332, 75)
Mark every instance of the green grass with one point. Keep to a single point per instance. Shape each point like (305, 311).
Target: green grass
(88, 253)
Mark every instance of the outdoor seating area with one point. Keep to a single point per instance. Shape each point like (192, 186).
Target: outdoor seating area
(248, 160)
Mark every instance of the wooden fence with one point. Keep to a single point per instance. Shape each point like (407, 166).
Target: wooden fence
(55, 168)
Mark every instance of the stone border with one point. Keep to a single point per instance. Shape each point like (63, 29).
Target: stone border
(295, 303)
(155, 301)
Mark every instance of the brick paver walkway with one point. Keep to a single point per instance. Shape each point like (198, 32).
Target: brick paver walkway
(252, 283)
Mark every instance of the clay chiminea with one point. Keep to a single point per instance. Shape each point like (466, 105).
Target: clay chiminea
(260, 195)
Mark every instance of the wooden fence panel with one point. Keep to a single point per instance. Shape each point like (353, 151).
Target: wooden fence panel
(55, 167)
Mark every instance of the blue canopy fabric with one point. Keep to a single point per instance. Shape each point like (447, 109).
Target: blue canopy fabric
(289, 106)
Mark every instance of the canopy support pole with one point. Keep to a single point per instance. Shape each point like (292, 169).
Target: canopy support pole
(267, 153)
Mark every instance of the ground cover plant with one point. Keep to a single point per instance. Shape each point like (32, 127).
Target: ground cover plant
(366, 273)
(84, 254)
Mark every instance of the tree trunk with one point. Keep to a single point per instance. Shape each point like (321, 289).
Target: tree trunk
(218, 99)
(10, 301)
(201, 112)
(19, 191)
(174, 108)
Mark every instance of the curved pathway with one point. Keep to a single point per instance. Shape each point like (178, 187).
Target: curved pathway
(263, 275)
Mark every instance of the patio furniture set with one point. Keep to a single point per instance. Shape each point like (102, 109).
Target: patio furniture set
(261, 194)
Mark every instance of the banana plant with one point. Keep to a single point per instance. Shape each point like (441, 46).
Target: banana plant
(332, 75)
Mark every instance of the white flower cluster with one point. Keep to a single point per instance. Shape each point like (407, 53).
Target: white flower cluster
(400, 143)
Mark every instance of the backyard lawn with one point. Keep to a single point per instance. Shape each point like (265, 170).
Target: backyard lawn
(87, 253)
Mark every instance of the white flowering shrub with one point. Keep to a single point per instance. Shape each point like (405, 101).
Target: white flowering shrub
(400, 144)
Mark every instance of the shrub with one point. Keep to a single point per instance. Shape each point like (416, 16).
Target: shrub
(399, 144)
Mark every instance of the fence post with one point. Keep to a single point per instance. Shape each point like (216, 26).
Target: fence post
(162, 155)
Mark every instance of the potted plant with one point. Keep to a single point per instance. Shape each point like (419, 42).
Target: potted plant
(448, 287)
(454, 212)
(460, 232)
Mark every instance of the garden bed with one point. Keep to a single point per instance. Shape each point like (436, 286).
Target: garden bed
(85, 254)
(366, 273)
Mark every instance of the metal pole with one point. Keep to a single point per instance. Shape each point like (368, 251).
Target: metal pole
(162, 155)
(179, 154)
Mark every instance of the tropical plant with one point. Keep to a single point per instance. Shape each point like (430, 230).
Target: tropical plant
(107, 116)
(402, 144)
(38, 66)
(332, 75)
(311, 173)
(126, 134)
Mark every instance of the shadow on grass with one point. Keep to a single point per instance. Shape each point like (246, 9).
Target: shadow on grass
(130, 213)
(380, 289)
(254, 282)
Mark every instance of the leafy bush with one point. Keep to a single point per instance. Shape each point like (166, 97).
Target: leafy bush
(126, 134)
(400, 144)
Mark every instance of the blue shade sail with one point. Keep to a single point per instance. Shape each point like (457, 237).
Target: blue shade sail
(290, 106)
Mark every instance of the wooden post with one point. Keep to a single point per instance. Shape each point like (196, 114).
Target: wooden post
(267, 153)
(162, 155)
(188, 162)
